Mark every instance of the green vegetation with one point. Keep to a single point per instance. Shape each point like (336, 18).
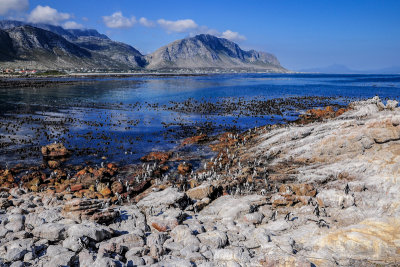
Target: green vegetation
(51, 73)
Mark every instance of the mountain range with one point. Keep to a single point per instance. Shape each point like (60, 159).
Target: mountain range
(43, 46)
(342, 69)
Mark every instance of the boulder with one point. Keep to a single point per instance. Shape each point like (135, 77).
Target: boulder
(130, 218)
(94, 231)
(89, 209)
(201, 192)
(238, 255)
(15, 254)
(230, 207)
(157, 202)
(57, 150)
(50, 231)
(213, 239)
(15, 222)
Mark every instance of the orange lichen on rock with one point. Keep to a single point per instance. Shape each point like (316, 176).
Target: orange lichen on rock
(57, 150)
(161, 157)
(184, 168)
(320, 114)
(195, 139)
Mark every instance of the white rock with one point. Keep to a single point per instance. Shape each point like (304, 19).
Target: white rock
(94, 231)
(157, 202)
(276, 226)
(15, 254)
(214, 239)
(50, 231)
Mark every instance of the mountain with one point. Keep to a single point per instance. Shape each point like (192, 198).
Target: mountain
(119, 52)
(31, 46)
(104, 52)
(87, 33)
(43, 46)
(206, 51)
(7, 51)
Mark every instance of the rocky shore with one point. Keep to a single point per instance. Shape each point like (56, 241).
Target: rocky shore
(319, 192)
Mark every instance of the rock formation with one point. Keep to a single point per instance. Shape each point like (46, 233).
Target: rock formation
(321, 193)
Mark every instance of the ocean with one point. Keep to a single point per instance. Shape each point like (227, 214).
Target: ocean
(123, 119)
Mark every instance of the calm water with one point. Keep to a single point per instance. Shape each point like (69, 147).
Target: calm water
(123, 119)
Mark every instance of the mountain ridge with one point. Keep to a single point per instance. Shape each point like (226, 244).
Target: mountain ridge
(44, 46)
(206, 51)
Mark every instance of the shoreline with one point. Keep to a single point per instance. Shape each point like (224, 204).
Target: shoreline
(293, 189)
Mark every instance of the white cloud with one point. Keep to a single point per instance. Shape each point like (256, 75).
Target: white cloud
(72, 25)
(182, 25)
(117, 20)
(13, 5)
(147, 23)
(204, 30)
(233, 36)
(46, 14)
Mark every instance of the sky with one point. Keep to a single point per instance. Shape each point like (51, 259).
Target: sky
(361, 34)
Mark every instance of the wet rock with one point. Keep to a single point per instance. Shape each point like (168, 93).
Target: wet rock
(53, 164)
(57, 150)
(184, 168)
(195, 139)
(161, 157)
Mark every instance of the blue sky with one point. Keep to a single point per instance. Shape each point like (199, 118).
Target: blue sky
(361, 34)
